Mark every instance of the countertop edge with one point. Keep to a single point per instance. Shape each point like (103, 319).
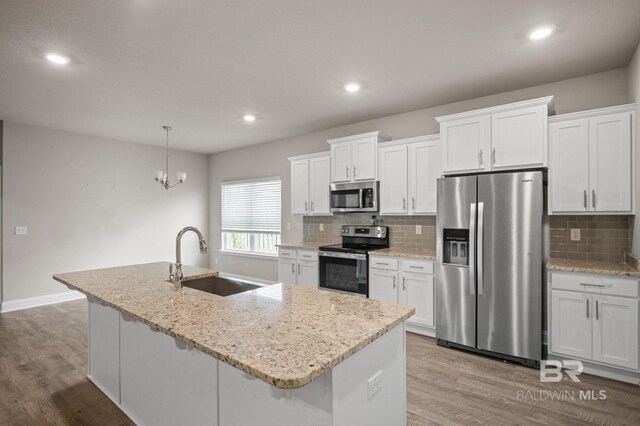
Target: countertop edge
(289, 383)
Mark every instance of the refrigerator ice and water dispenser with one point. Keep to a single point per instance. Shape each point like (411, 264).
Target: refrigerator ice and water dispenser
(455, 246)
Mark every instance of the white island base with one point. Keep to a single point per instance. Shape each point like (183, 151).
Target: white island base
(157, 380)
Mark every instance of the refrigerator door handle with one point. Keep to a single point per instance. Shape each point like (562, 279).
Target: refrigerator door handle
(472, 248)
(479, 249)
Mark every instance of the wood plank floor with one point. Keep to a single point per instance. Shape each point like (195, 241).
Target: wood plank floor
(43, 364)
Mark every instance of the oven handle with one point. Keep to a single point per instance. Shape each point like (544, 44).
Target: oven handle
(343, 255)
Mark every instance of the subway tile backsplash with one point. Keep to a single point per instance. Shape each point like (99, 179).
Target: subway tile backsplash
(605, 238)
(402, 229)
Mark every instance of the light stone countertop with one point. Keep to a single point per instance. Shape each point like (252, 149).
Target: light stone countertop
(285, 335)
(424, 254)
(306, 245)
(592, 267)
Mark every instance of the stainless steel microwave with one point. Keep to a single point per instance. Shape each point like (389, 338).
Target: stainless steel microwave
(355, 197)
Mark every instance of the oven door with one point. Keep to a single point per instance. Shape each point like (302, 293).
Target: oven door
(344, 272)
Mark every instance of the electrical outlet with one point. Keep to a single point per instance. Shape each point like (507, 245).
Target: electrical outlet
(418, 229)
(575, 234)
(374, 385)
(21, 230)
(322, 227)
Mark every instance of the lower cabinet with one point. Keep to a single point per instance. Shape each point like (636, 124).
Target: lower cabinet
(298, 267)
(595, 318)
(104, 349)
(408, 282)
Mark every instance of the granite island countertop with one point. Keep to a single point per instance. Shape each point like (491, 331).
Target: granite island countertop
(592, 267)
(285, 335)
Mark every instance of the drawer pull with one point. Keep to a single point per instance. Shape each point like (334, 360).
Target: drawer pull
(382, 263)
(593, 285)
(416, 267)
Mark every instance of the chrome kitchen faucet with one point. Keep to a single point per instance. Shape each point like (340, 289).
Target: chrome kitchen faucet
(176, 278)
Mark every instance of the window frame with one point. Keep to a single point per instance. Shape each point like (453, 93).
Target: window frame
(251, 234)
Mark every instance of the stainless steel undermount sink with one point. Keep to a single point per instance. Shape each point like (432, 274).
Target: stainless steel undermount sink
(219, 285)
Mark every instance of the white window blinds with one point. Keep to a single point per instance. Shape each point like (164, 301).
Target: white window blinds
(251, 206)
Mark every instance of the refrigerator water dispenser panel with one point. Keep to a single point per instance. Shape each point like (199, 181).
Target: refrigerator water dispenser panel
(455, 246)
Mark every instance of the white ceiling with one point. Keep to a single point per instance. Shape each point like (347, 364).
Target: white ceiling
(200, 65)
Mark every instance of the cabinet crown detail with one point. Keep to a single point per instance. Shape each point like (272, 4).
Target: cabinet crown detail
(548, 101)
(381, 137)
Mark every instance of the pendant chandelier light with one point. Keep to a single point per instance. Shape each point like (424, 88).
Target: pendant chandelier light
(163, 176)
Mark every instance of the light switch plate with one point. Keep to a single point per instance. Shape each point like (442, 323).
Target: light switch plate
(418, 229)
(21, 230)
(575, 234)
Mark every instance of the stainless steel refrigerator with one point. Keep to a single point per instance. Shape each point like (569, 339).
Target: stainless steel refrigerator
(490, 255)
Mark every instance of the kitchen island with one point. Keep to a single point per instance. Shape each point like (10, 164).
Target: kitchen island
(280, 354)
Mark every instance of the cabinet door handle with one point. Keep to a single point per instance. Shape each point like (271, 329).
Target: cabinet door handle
(413, 202)
(480, 158)
(354, 172)
(597, 313)
(493, 156)
(306, 206)
(394, 281)
(298, 269)
(404, 287)
(293, 268)
(585, 199)
(587, 308)
(593, 198)
(312, 206)
(347, 172)
(404, 203)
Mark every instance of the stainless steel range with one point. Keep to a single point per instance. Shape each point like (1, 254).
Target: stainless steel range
(345, 267)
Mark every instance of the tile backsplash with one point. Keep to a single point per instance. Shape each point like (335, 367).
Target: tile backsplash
(402, 229)
(605, 238)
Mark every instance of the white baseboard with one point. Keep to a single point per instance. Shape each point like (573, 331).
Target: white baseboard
(32, 302)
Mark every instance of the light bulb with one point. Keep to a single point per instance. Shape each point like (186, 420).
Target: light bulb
(182, 176)
(158, 175)
(164, 178)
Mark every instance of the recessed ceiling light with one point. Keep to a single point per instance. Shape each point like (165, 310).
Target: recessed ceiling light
(540, 33)
(352, 87)
(249, 118)
(57, 59)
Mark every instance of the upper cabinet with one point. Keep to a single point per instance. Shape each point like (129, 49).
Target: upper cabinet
(310, 180)
(355, 158)
(409, 169)
(512, 136)
(591, 161)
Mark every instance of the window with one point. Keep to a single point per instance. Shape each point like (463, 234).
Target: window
(251, 216)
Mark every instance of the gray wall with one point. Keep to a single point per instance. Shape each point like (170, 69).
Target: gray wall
(270, 159)
(634, 96)
(92, 203)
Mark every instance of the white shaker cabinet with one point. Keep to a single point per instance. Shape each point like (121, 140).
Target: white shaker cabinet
(104, 349)
(594, 317)
(298, 266)
(569, 160)
(409, 170)
(615, 331)
(310, 180)
(591, 161)
(393, 179)
(571, 326)
(409, 282)
(355, 158)
(466, 143)
(511, 136)
(519, 138)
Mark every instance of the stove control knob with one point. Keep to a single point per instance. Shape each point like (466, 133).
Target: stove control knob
(379, 232)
